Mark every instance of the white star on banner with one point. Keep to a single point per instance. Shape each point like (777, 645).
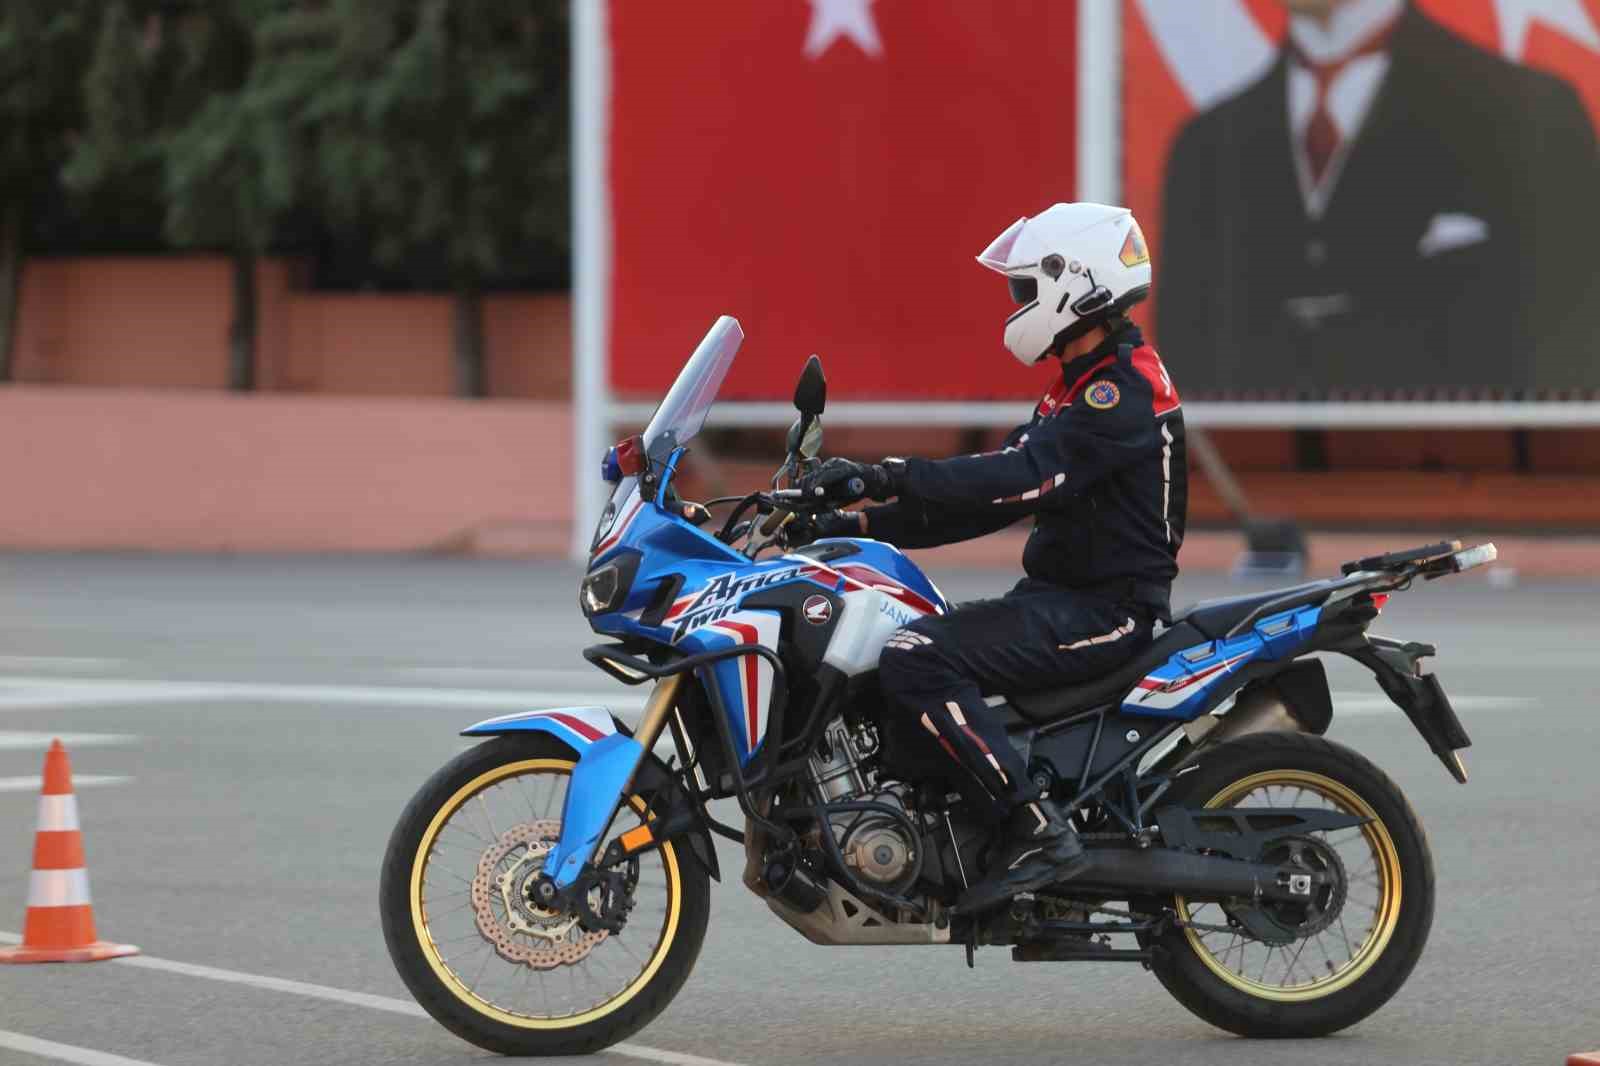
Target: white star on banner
(1567, 16)
(833, 19)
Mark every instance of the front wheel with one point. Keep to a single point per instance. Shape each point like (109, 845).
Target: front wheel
(1354, 947)
(488, 963)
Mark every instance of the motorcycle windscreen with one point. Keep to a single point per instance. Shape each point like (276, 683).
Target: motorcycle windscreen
(677, 418)
(683, 411)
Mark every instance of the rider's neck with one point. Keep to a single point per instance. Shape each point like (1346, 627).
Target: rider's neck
(1082, 345)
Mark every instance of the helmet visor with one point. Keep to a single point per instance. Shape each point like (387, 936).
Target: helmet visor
(1023, 290)
(998, 255)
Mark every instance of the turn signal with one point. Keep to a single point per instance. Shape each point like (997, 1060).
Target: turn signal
(624, 459)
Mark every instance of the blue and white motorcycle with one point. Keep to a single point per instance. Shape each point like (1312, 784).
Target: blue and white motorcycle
(547, 891)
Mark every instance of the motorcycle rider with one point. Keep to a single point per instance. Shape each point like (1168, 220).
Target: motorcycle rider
(1100, 467)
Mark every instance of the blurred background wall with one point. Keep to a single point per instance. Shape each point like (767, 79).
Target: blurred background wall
(137, 321)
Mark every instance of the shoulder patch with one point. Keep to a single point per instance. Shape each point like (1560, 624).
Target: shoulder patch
(1102, 395)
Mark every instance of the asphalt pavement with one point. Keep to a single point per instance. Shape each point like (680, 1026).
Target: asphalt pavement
(245, 732)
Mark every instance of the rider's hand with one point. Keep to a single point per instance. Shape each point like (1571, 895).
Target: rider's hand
(803, 529)
(843, 479)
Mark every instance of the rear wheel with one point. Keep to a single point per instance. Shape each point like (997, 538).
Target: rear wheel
(1354, 944)
(487, 962)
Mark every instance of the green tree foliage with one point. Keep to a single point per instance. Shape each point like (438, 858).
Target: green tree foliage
(226, 181)
(435, 129)
(115, 141)
(169, 116)
(44, 45)
(439, 127)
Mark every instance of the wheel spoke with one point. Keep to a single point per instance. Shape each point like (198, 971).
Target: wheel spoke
(471, 959)
(1351, 854)
(1344, 933)
(1288, 974)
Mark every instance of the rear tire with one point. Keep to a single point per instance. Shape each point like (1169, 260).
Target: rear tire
(447, 996)
(1333, 996)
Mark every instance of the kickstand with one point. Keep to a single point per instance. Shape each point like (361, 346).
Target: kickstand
(972, 944)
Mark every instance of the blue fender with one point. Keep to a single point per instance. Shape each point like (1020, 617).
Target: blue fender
(608, 761)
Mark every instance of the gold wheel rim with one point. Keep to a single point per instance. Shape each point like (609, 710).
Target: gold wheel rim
(457, 986)
(1386, 865)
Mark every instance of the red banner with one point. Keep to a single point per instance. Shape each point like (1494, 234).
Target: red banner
(825, 171)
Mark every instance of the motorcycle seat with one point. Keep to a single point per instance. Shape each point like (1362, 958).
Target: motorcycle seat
(1216, 617)
(1205, 621)
(1046, 705)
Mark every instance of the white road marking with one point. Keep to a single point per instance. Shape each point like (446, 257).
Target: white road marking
(42, 693)
(34, 784)
(49, 1049)
(522, 676)
(1348, 703)
(67, 663)
(41, 741)
(340, 995)
(23, 699)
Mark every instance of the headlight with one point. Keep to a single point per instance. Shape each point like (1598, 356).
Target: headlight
(598, 590)
(606, 589)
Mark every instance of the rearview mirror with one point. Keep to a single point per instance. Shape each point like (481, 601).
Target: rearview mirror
(811, 392)
(805, 437)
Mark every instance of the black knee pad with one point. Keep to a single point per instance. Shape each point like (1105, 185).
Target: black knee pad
(907, 660)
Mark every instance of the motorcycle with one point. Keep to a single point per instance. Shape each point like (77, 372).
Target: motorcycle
(548, 890)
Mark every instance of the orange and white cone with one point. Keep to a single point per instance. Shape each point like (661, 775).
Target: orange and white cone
(60, 922)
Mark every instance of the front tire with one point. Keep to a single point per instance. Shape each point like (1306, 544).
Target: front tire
(540, 985)
(1357, 959)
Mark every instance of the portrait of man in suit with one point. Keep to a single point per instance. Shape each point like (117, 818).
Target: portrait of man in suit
(1389, 207)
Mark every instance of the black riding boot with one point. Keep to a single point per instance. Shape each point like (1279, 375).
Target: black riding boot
(1040, 849)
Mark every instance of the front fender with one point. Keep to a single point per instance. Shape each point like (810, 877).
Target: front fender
(609, 760)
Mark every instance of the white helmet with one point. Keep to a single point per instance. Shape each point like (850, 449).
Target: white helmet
(1070, 268)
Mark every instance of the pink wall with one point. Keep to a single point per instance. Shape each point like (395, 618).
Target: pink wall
(163, 322)
(91, 468)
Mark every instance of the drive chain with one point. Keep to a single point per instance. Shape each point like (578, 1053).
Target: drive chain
(1204, 927)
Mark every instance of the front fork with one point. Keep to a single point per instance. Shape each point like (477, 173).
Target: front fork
(599, 782)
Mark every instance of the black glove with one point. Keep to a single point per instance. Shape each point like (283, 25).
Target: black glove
(844, 480)
(803, 529)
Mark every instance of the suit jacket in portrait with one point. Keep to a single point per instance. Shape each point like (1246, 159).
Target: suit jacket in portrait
(1458, 247)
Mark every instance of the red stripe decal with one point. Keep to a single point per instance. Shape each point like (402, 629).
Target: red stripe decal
(577, 725)
(871, 578)
(748, 634)
(1181, 683)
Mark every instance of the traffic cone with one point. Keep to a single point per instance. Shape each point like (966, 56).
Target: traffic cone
(60, 922)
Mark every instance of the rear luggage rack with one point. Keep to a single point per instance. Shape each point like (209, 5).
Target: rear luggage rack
(1429, 561)
(1398, 560)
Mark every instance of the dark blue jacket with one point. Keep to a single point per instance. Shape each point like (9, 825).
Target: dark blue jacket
(1101, 466)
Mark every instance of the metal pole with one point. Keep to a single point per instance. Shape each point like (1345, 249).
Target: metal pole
(591, 262)
(1099, 101)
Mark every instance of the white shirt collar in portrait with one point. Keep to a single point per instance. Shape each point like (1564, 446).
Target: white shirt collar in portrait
(1351, 93)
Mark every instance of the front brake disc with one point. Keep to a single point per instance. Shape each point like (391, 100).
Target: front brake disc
(521, 931)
